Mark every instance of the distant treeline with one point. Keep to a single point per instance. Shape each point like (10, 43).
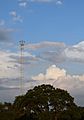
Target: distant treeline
(43, 102)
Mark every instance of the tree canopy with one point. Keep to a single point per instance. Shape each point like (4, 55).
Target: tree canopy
(45, 103)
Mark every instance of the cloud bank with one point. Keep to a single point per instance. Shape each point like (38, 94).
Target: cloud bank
(57, 52)
(51, 53)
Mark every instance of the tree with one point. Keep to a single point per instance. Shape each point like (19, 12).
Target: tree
(43, 103)
(7, 112)
(71, 114)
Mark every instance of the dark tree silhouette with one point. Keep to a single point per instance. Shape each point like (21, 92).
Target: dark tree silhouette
(45, 103)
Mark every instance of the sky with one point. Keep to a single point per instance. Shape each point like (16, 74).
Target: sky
(53, 31)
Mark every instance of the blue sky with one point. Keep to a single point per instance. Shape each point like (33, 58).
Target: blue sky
(54, 50)
(44, 20)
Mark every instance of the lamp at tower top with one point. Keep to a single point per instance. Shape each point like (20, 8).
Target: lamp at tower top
(22, 42)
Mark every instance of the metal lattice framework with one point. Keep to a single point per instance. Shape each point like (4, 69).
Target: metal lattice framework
(22, 45)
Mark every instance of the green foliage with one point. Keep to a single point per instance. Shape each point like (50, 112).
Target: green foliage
(71, 114)
(7, 112)
(7, 115)
(42, 103)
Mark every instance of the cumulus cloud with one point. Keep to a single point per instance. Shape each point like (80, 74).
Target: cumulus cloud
(59, 78)
(16, 17)
(56, 73)
(52, 72)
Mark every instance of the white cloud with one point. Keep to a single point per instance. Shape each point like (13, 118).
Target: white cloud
(30, 58)
(58, 52)
(49, 51)
(79, 46)
(16, 17)
(52, 72)
(59, 78)
(75, 52)
(45, 1)
(8, 68)
(10, 63)
(45, 44)
(59, 2)
(53, 75)
(13, 13)
(23, 3)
